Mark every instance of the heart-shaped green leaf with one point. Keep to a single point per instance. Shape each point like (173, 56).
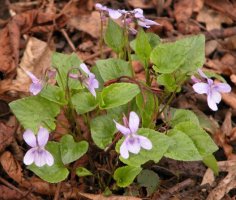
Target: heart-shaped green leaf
(71, 150)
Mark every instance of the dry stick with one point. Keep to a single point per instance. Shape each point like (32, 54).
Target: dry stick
(57, 193)
(68, 39)
(194, 189)
(97, 54)
(180, 186)
(221, 33)
(24, 194)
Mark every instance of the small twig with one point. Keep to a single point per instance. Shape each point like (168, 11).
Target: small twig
(57, 193)
(194, 189)
(178, 187)
(24, 194)
(221, 33)
(97, 54)
(68, 39)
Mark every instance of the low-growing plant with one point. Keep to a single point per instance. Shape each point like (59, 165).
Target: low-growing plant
(119, 111)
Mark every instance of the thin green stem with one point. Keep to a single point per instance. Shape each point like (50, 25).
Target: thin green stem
(70, 112)
(127, 46)
(147, 74)
(168, 103)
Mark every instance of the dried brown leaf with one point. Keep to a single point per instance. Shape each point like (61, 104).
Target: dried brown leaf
(233, 78)
(226, 184)
(232, 136)
(39, 186)
(75, 194)
(6, 136)
(223, 66)
(212, 18)
(210, 47)
(62, 126)
(225, 6)
(11, 166)
(9, 194)
(141, 4)
(87, 23)
(230, 43)
(183, 10)
(198, 5)
(221, 141)
(37, 59)
(226, 127)
(230, 99)
(31, 21)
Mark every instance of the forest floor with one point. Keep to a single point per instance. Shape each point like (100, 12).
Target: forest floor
(31, 30)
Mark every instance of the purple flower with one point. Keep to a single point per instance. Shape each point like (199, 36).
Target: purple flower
(142, 21)
(37, 153)
(132, 142)
(90, 82)
(211, 89)
(36, 85)
(114, 14)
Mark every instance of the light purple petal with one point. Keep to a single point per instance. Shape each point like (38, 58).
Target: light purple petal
(201, 88)
(202, 74)
(124, 151)
(123, 11)
(36, 88)
(146, 23)
(85, 68)
(124, 130)
(215, 96)
(133, 145)
(93, 82)
(40, 158)
(99, 6)
(210, 82)
(133, 122)
(74, 76)
(30, 138)
(42, 136)
(142, 24)
(211, 103)
(29, 156)
(222, 87)
(149, 22)
(138, 13)
(49, 158)
(92, 91)
(114, 14)
(145, 142)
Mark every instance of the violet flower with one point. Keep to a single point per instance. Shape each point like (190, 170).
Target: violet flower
(89, 80)
(211, 89)
(114, 14)
(37, 153)
(133, 142)
(37, 85)
(141, 20)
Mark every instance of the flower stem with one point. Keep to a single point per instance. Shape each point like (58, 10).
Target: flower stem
(70, 112)
(127, 47)
(147, 74)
